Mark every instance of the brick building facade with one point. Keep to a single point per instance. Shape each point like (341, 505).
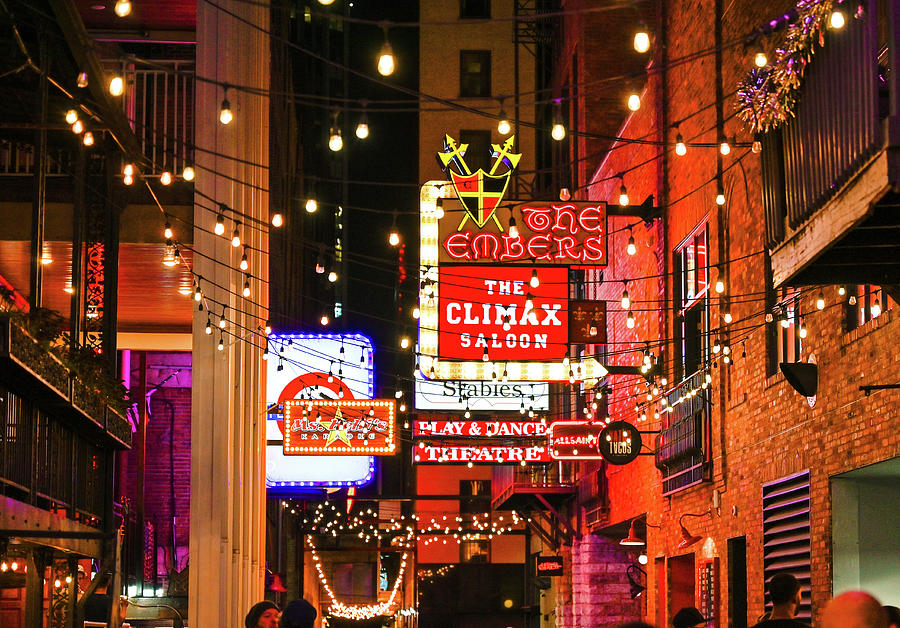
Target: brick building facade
(756, 429)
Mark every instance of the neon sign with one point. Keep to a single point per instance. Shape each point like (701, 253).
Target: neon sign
(339, 427)
(618, 443)
(481, 429)
(490, 454)
(494, 311)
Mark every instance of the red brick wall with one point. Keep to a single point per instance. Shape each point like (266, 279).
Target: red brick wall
(762, 429)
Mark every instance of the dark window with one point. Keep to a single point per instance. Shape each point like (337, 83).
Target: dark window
(474, 9)
(865, 303)
(474, 498)
(475, 73)
(691, 311)
(737, 582)
(476, 550)
(478, 154)
(786, 337)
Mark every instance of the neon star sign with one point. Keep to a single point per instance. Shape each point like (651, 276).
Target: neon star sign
(340, 427)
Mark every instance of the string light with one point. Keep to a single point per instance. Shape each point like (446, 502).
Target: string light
(837, 19)
(225, 113)
(222, 320)
(82, 79)
(394, 237)
(386, 64)
(123, 8)
(277, 219)
(680, 148)
(335, 141)
(760, 59)
(720, 280)
(802, 331)
(362, 127)
(116, 85)
(220, 225)
(724, 147)
(642, 40)
(208, 328)
(165, 178)
(875, 309)
(246, 291)
(416, 312)
(311, 206)
(197, 294)
(820, 301)
(631, 248)
(77, 127)
(720, 193)
(236, 235)
(88, 139)
(188, 173)
(634, 101)
(513, 228)
(558, 132)
(170, 256)
(629, 321)
(626, 301)
(534, 282)
(503, 126)
(324, 319)
(332, 276)
(623, 194)
(404, 343)
(71, 116)
(167, 231)
(221, 345)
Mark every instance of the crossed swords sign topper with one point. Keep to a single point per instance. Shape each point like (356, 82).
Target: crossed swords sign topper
(480, 192)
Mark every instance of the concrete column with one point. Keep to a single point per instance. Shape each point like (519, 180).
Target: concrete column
(227, 535)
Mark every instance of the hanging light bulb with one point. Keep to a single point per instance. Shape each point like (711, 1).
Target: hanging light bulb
(720, 192)
(558, 132)
(534, 282)
(415, 312)
(208, 329)
(225, 113)
(245, 264)
(802, 331)
(634, 101)
(404, 342)
(311, 206)
(394, 238)
(267, 329)
(626, 301)
(631, 247)
(629, 320)
(642, 40)
(876, 309)
(513, 229)
(165, 178)
(116, 86)
(71, 116)
(820, 301)
(222, 320)
(332, 276)
(837, 19)
(386, 58)
(362, 127)
(484, 355)
(246, 291)
(320, 265)
(727, 317)
(220, 225)
(82, 79)
(221, 345)
(724, 147)
(720, 283)
(335, 141)
(88, 139)
(197, 295)
(128, 170)
(77, 127)
(236, 235)
(623, 195)
(188, 173)
(127, 179)
(842, 290)
(324, 319)
(529, 302)
(503, 127)
(123, 8)
(680, 147)
(277, 219)
(760, 59)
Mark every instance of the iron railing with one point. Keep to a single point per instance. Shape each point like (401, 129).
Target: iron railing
(836, 129)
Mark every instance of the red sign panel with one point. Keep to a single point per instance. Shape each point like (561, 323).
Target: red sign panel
(350, 427)
(484, 308)
(481, 429)
(549, 232)
(575, 440)
(487, 454)
(549, 566)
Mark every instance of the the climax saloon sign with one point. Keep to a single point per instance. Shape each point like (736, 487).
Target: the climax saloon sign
(340, 427)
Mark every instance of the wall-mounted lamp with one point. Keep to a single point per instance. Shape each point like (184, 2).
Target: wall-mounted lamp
(634, 581)
(688, 539)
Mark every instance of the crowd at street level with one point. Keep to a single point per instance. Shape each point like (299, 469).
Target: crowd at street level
(852, 609)
(296, 614)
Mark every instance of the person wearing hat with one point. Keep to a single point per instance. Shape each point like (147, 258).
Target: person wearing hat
(262, 615)
(689, 617)
(299, 614)
(784, 591)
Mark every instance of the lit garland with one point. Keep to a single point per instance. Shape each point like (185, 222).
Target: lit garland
(767, 96)
(356, 611)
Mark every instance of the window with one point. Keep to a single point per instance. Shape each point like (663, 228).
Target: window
(691, 311)
(474, 9)
(475, 73)
(477, 550)
(474, 498)
(865, 303)
(478, 154)
(789, 333)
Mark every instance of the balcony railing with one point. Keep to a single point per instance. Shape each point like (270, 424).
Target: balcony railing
(509, 481)
(683, 447)
(838, 127)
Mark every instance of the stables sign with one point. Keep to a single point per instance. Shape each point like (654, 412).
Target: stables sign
(495, 312)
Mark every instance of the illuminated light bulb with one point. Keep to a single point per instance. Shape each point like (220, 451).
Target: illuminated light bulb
(77, 127)
(756, 147)
(220, 225)
(629, 321)
(785, 322)
(727, 317)
(246, 291)
(167, 231)
(386, 63)
(631, 249)
(57, 583)
(208, 328)
(221, 345)
(404, 343)
(529, 302)
(116, 86)
(634, 102)
(416, 312)
(324, 319)
(534, 282)
(277, 219)
(623, 196)
(716, 346)
(362, 129)
(268, 328)
(71, 116)
(165, 178)
(128, 170)
(128, 179)
(503, 127)
(802, 332)
(760, 59)
(720, 285)
(225, 113)
(564, 194)
(837, 19)
(558, 132)
(332, 276)
(82, 79)
(88, 139)
(513, 229)
(222, 321)
(245, 264)
(393, 238)
(123, 8)
(626, 301)
(820, 301)
(642, 41)
(311, 206)
(842, 290)
(875, 309)
(188, 173)
(197, 294)
(325, 3)
(14, 565)
(335, 141)
(724, 147)
(236, 236)
(592, 330)
(484, 355)
(680, 147)
(720, 199)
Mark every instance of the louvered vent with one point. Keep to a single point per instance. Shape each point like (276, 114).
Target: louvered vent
(786, 547)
